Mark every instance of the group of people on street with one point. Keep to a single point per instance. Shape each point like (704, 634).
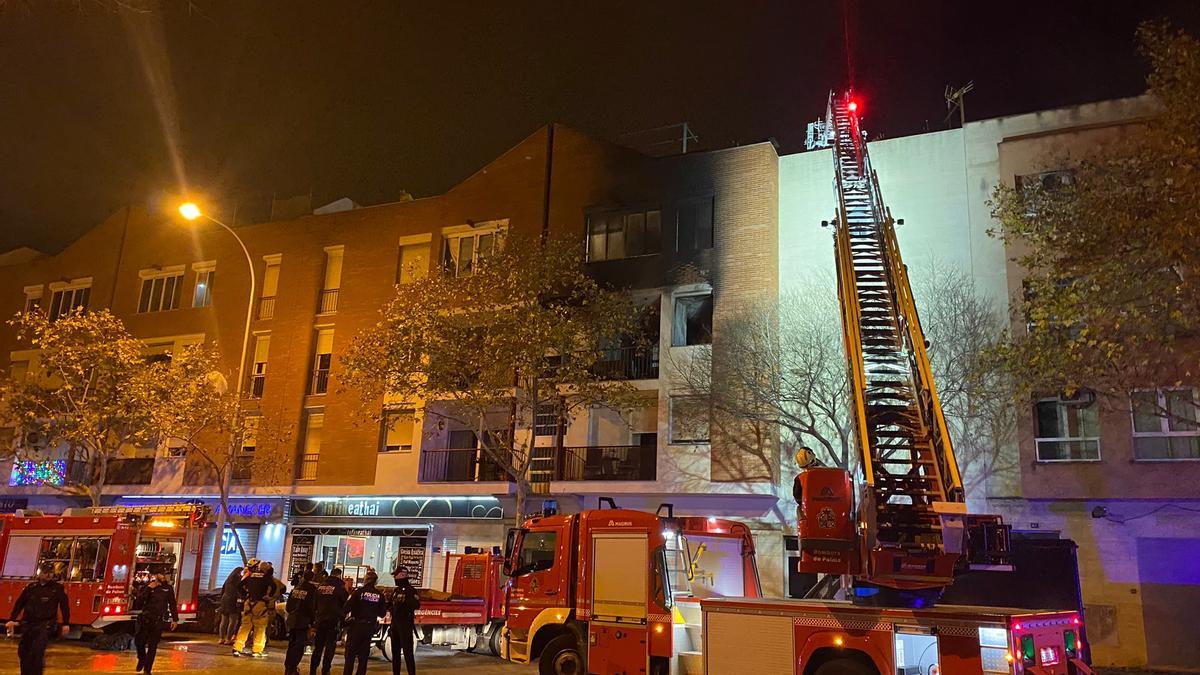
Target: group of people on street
(319, 606)
(40, 604)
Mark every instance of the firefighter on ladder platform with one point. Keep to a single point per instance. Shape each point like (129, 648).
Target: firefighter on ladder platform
(39, 605)
(805, 459)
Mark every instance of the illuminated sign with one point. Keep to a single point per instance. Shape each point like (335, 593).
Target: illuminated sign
(482, 508)
(228, 543)
(250, 509)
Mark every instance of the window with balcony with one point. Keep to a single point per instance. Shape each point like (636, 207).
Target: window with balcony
(463, 249)
(270, 286)
(624, 234)
(258, 369)
(206, 274)
(243, 461)
(161, 290)
(327, 303)
(1067, 430)
(465, 458)
(694, 224)
(1165, 425)
(414, 261)
(693, 320)
(322, 361)
(310, 448)
(398, 430)
(67, 298)
(688, 419)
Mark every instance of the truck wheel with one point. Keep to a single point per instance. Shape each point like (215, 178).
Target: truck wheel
(494, 641)
(844, 667)
(385, 644)
(561, 657)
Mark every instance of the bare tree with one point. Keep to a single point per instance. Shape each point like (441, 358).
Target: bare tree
(785, 367)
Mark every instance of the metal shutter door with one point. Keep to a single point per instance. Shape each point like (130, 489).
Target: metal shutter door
(737, 644)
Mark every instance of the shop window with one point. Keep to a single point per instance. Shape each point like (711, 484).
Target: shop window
(1067, 430)
(693, 320)
(1165, 424)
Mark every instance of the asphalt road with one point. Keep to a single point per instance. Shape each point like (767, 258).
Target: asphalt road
(182, 652)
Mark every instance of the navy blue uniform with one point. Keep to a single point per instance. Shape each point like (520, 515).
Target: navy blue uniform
(403, 607)
(39, 604)
(331, 609)
(301, 609)
(365, 607)
(158, 609)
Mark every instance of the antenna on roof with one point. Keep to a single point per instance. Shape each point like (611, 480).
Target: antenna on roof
(955, 101)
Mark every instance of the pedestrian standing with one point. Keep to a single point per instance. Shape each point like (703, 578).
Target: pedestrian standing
(230, 608)
(156, 600)
(403, 608)
(258, 589)
(39, 605)
(331, 609)
(365, 608)
(298, 577)
(301, 610)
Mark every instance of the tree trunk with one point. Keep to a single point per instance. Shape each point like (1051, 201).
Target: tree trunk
(219, 535)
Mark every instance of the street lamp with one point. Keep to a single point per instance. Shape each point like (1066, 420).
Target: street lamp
(191, 212)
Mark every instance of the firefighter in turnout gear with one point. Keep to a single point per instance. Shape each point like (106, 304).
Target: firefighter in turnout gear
(301, 609)
(331, 609)
(37, 608)
(404, 604)
(156, 601)
(365, 608)
(258, 590)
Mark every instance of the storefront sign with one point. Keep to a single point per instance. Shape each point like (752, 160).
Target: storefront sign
(482, 508)
(302, 553)
(250, 509)
(13, 504)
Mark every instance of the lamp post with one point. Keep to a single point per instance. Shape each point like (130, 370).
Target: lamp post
(191, 212)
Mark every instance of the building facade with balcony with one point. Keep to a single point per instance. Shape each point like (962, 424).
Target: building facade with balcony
(692, 236)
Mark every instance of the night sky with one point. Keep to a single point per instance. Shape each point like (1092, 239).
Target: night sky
(359, 99)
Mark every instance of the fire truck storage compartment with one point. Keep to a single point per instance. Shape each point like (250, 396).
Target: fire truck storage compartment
(619, 573)
(719, 569)
(737, 643)
(21, 558)
(915, 651)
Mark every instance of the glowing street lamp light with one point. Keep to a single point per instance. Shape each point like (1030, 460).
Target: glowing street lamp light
(189, 210)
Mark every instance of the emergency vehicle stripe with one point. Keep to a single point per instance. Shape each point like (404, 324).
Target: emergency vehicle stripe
(665, 618)
(844, 625)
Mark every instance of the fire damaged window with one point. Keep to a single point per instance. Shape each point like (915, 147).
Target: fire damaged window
(626, 234)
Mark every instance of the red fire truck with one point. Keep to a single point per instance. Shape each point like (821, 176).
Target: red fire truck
(470, 609)
(102, 554)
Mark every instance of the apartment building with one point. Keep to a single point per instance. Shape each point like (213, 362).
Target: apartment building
(1121, 485)
(693, 236)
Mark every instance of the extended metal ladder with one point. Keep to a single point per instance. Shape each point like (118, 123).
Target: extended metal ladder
(907, 460)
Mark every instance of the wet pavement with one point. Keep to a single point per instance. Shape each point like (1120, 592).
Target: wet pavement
(182, 652)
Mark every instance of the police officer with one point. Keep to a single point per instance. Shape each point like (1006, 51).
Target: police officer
(40, 602)
(365, 608)
(258, 589)
(301, 609)
(403, 607)
(156, 600)
(331, 609)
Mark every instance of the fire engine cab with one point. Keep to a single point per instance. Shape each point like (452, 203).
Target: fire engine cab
(102, 554)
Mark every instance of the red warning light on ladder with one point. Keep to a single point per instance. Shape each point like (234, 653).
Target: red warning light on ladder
(853, 106)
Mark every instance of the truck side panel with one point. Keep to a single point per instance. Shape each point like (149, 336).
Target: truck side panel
(747, 643)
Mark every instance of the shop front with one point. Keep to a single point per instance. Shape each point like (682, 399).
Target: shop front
(380, 533)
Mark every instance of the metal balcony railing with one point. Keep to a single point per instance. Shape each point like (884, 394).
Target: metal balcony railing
(306, 466)
(595, 463)
(327, 303)
(459, 465)
(320, 381)
(257, 382)
(266, 307)
(628, 363)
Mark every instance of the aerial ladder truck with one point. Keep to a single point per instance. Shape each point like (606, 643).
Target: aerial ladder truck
(612, 591)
